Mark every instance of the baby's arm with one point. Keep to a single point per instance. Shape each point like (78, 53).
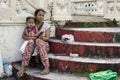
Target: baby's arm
(26, 32)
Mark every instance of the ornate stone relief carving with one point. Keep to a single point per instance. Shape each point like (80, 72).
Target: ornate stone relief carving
(62, 4)
(25, 7)
(118, 6)
(88, 7)
(110, 7)
(100, 7)
(18, 9)
(113, 7)
(3, 3)
(61, 10)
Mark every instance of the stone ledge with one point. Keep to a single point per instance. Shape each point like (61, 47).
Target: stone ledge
(85, 49)
(86, 59)
(87, 43)
(33, 74)
(100, 29)
(81, 65)
(11, 23)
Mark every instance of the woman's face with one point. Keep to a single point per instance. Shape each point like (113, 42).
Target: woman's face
(40, 16)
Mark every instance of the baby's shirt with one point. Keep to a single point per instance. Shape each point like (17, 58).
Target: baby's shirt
(31, 31)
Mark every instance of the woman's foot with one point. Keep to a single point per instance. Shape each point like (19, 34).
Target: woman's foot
(45, 71)
(21, 72)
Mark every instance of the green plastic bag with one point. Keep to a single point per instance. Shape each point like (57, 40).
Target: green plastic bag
(103, 75)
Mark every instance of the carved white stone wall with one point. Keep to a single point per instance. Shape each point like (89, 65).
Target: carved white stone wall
(107, 8)
(12, 22)
(113, 9)
(100, 7)
(88, 7)
(12, 19)
(17, 10)
(61, 10)
(24, 8)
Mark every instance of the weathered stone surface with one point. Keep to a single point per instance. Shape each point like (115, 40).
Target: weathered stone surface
(85, 49)
(34, 74)
(80, 64)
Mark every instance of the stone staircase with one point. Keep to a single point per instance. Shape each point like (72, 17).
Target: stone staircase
(95, 46)
(96, 49)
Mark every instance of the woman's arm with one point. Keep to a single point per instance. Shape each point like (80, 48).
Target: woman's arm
(26, 37)
(47, 35)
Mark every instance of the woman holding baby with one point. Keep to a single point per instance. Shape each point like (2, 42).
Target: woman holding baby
(41, 44)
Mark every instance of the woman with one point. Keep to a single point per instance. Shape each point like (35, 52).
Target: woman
(41, 43)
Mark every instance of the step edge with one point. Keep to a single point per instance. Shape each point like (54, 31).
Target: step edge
(100, 29)
(88, 60)
(32, 73)
(88, 43)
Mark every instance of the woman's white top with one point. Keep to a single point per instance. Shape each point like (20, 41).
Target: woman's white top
(44, 27)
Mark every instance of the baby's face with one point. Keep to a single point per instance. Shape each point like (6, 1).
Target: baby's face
(30, 23)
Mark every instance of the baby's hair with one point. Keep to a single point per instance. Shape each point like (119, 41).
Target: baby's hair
(29, 17)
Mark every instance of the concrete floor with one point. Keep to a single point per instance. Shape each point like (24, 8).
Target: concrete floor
(12, 78)
(8, 78)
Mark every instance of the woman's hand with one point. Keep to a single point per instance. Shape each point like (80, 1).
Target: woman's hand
(46, 37)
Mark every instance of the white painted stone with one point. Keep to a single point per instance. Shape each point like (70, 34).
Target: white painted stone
(1, 66)
(88, 43)
(10, 42)
(61, 10)
(5, 13)
(14, 12)
(52, 75)
(86, 59)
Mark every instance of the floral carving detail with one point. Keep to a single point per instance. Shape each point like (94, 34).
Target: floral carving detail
(62, 3)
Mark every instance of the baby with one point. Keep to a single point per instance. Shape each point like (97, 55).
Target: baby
(31, 31)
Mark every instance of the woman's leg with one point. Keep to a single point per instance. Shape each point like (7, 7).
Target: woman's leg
(43, 49)
(26, 57)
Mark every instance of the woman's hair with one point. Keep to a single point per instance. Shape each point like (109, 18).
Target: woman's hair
(29, 17)
(37, 10)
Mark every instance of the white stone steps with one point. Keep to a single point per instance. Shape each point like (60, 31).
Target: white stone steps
(34, 72)
(100, 29)
(88, 43)
(86, 59)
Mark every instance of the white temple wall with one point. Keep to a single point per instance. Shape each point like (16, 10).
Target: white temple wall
(12, 23)
(11, 41)
(14, 12)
